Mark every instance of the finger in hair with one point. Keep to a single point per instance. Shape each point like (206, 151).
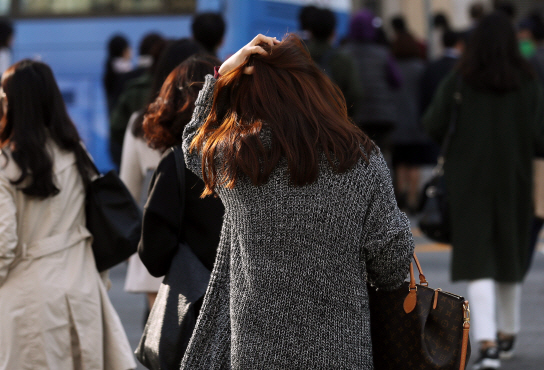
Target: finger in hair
(257, 50)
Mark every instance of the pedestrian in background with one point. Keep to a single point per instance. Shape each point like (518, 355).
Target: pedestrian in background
(136, 90)
(527, 45)
(441, 25)
(537, 61)
(453, 45)
(310, 217)
(401, 33)
(507, 7)
(56, 313)
(162, 231)
(476, 11)
(118, 64)
(209, 30)
(139, 161)
(6, 41)
(146, 55)
(378, 76)
(305, 20)
(412, 147)
(489, 178)
(337, 64)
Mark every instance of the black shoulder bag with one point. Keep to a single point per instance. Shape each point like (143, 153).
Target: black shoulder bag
(173, 317)
(113, 218)
(435, 219)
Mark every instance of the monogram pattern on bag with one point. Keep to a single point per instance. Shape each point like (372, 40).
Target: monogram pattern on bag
(425, 338)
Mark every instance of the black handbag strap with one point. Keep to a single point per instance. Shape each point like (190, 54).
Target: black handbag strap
(91, 161)
(180, 169)
(457, 98)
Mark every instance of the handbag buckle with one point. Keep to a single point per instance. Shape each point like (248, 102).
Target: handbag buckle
(431, 191)
(466, 312)
(438, 170)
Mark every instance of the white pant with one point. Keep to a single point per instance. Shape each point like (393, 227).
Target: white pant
(494, 307)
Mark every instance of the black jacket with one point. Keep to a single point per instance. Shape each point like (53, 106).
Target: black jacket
(202, 219)
(432, 77)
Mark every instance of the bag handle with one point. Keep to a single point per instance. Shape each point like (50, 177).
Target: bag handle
(90, 160)
(422, 280)
(411, 299)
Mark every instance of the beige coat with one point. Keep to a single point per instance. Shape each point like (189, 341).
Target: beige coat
(138, 162)
(54, 309)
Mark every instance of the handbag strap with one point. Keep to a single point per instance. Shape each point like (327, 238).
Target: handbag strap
(91, 161)
(180, 169)
(411, 299)
(422, 280)
(457, 98)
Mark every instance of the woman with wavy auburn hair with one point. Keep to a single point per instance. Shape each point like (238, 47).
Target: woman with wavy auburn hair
(310, 217)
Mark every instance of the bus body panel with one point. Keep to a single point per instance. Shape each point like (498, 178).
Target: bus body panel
(75, 48)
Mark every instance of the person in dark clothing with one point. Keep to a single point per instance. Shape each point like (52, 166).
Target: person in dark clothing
(339, 66)
(117, 65)
(476, 12)
(537, 61)
(441, 25)
(138, 161)
(136, 86)
(379, 76)
(143, 90)
(305, 19)
(208, 30)
(401, 31)
(147, 54)
(488, 173)
(436, 71)
(202, 220)
(162, 230)
(508, 8)
(409, 141)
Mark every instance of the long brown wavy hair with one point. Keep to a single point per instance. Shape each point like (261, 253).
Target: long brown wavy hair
(289, 96)
(166, 117)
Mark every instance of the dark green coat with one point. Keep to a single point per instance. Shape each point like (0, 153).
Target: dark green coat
(132, 99)
(489, 176)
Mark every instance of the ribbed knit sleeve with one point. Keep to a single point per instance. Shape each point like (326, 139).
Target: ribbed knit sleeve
(388, 243)
(203, 106)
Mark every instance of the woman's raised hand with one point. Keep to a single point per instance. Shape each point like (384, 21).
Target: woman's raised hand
(241, 55)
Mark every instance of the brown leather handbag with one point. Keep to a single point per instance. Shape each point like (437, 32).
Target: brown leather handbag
(416, 327)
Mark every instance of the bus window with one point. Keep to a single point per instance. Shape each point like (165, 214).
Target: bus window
(96, 7)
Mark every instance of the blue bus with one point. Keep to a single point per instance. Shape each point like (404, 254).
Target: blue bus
(71, 36)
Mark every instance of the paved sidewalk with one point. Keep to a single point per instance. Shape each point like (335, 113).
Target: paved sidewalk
(434, 259)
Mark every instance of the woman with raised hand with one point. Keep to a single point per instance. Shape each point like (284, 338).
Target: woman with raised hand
(56, 313)
(310, 216)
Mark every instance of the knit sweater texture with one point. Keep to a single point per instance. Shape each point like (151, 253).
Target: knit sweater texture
(289, 285)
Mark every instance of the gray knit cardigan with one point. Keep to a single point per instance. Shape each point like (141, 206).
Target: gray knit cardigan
(289, 285)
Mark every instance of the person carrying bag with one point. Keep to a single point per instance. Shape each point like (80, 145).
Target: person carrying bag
(180, 231)
(173, 316)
